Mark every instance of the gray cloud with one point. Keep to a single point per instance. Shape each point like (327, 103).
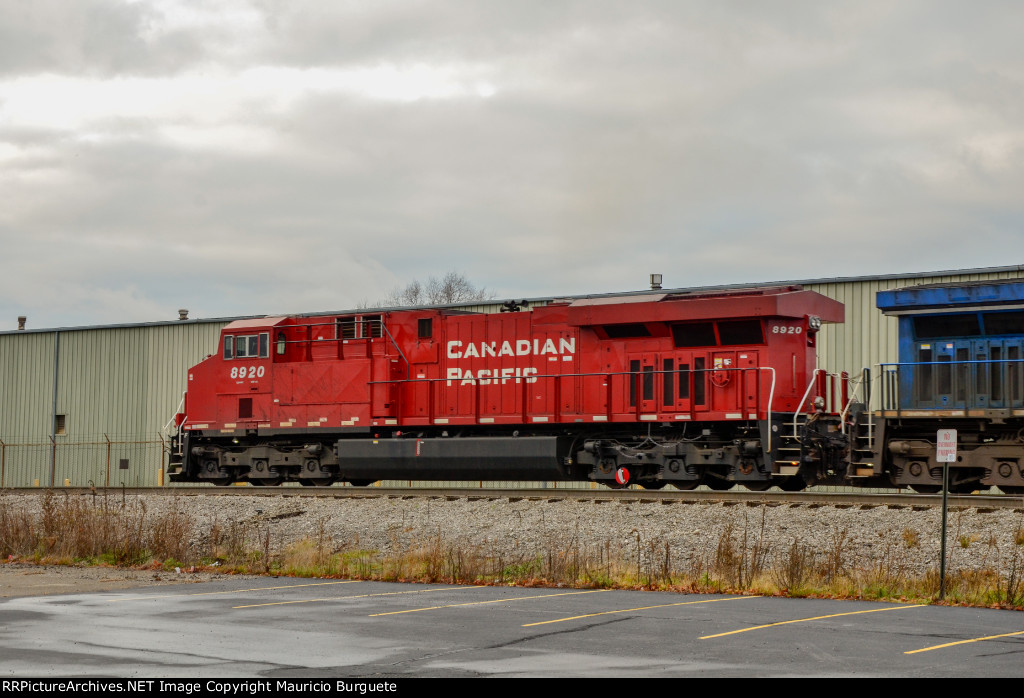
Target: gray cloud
(289, 156)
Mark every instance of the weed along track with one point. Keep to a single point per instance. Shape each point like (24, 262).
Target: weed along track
(873, 546)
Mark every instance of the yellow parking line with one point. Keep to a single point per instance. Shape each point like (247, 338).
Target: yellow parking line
(964, 642)
(356, 596)
(804, 620)
(642, 608)
(234, 591)
(480, 603)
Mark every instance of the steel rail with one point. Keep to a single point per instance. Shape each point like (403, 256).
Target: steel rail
(729, 497)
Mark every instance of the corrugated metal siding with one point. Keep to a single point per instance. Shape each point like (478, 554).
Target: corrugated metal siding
(26, 402)
(26, 384)
(119, 385)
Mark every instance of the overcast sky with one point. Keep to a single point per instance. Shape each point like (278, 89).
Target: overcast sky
(254, 157)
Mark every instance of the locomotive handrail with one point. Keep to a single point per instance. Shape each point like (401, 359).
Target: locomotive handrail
(800, 407)
(175, 415)
(849, 403)
(811, 384)
(408, 368)
(771, 396)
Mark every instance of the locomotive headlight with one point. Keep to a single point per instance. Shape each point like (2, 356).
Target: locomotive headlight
(814, 322)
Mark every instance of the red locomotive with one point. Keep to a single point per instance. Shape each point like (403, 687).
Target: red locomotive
(680, 388)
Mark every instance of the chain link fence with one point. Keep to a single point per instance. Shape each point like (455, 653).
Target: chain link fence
(103, 462)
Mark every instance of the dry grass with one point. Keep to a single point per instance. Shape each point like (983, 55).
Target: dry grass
(99, 531)
(75, 530)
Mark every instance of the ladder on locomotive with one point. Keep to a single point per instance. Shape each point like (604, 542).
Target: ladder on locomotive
(792, 452)
(860, 457)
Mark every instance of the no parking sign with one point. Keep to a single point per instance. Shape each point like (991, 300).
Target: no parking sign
(945, 452)
(945, 447)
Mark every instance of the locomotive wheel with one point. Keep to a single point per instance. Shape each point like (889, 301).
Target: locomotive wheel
(718, 484)
(792, 484)
(267, 482)
(926, 489)
(322, 482)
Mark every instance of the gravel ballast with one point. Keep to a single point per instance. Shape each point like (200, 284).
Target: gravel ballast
(979, 538)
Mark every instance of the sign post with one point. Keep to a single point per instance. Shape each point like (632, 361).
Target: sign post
(945, 453)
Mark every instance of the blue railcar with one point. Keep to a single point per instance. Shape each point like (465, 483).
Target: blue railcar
(961, 366)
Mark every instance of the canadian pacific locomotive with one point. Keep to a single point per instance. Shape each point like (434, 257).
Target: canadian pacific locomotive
(685, 389)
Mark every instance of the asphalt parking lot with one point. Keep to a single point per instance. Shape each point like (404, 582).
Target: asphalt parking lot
(291, 628)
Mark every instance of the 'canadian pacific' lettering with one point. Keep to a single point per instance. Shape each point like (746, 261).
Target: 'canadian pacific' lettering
(495, 376)
(522, 347)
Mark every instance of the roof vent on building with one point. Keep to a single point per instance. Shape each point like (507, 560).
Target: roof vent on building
(183, 313)
(21, 322)
(655, 282)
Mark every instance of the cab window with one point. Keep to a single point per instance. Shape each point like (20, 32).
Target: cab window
(252, 346)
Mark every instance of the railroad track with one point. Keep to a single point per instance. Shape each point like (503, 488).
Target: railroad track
(810, 499)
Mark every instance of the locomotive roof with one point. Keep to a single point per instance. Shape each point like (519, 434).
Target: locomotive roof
(786, 301)
(255, 323)
(971, 295)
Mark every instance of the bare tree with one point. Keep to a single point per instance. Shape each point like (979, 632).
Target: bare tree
(453, 287)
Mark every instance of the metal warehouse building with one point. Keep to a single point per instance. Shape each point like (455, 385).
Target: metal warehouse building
(89, 405)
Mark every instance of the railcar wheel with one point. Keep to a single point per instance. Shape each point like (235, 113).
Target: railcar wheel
(686, 485)
(221, 482)
(758, 485)
(361, 483)
(926, 489)
(1010, 489)
(718, 484)
(652, 485)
